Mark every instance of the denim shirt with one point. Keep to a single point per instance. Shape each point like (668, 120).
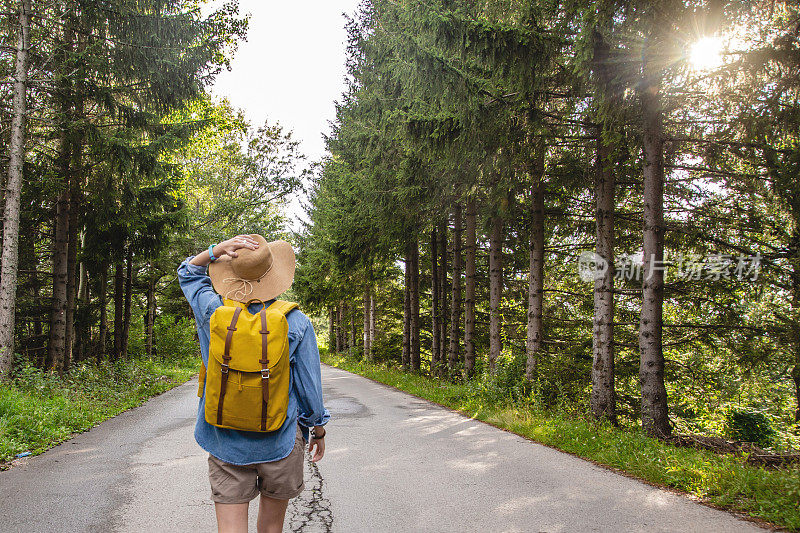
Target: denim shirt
(305, 390)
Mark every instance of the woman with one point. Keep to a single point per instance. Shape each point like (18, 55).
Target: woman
(244, 464)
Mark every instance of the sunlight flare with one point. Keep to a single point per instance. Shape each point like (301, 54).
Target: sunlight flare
(706, 54)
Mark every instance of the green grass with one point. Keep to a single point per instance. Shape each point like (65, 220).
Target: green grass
(724, 481)
(41, 409)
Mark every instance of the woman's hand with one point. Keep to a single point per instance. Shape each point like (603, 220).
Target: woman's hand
(320, 444)
(228, 247)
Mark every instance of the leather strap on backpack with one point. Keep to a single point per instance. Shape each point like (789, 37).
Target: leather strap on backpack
(226, 357)
(264, 370)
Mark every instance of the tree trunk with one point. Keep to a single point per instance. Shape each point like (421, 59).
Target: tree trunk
(435, 353)
(102, 341)
(58, 312)
(16, 150)
(119, 304)
(796, 379)
(534, 338)
(348, 317)
(345, 329)
(794, 260)
(72, 257)
(82, 310)
(796, 370)
(353, 329)
(495, 289)
(335, 329)
(455, 302)
(126, 325)
(150, 318)
(414, 297)
(339, 328)
(82, 326)
(331, 330)
(75, 187)
(406, 358)
(351, 340)
(36, 287)
(83, 277)
(603, 399)
(469, 291)
(38, 326)
(655, 419)
(365, 303)
(443, 286)
(56, 349)
(371, 319)
(342, 327)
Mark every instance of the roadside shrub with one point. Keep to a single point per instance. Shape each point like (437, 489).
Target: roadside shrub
(561, 384)
(749, 426)
(175, 338)
(506, 386)
(39, 409)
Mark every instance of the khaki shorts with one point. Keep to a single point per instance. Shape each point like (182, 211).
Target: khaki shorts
(281, 479)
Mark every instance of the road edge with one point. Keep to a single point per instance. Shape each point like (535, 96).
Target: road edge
(737, 514)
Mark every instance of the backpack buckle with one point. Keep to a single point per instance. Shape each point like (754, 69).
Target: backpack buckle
(225, 368)
(265, 373)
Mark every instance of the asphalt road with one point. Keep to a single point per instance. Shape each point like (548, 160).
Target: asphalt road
(394, 463)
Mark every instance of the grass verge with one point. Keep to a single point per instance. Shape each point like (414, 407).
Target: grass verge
(41, 409)
(723, 481)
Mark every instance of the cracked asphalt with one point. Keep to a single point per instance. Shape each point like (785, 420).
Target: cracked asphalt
(393, 463)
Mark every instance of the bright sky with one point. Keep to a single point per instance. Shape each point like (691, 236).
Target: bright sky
(291, 69)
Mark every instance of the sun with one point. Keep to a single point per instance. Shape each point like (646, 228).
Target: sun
(706, 54)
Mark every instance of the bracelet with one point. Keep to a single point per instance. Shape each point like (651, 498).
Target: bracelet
(211, 253)
(318, 437)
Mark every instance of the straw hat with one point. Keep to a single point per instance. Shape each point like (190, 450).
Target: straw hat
(261, 274)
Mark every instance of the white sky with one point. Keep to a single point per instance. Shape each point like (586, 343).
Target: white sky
(291, 69)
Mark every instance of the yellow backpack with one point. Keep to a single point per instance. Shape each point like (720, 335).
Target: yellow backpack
(247, 380)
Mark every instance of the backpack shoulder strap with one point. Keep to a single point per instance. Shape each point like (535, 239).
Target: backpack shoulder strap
(283, 307)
